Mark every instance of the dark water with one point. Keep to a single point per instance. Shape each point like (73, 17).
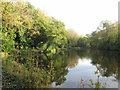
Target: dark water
(71, 69)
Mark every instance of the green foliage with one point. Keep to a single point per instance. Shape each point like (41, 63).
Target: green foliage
(83, 41)
(72, 38)
(92, 84)
(24, 27)
(97, 84)
(105, 37)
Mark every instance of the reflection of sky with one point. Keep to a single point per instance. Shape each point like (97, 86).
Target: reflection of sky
(85, 70)
(85, 62)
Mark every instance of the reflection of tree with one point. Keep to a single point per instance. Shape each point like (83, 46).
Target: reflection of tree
(106, 62)
(72, 59)
(84, 53)
(36, 70)
(33, 70)
(59, 70)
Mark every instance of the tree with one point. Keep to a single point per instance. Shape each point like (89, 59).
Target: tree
(72, 38)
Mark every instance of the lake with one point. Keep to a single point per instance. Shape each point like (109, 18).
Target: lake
(70, 69)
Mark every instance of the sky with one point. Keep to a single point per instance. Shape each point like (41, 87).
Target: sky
(83, 16)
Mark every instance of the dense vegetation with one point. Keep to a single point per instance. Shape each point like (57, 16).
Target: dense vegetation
(105, 37)
(24, 27)
(30, 32)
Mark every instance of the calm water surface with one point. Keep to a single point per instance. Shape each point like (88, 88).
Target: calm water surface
(65, 69)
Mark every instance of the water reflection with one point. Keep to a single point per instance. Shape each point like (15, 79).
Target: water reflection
(35, 70)
(72, 59)
(106, 62)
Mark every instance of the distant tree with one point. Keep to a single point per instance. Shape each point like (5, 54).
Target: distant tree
(72, 37)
